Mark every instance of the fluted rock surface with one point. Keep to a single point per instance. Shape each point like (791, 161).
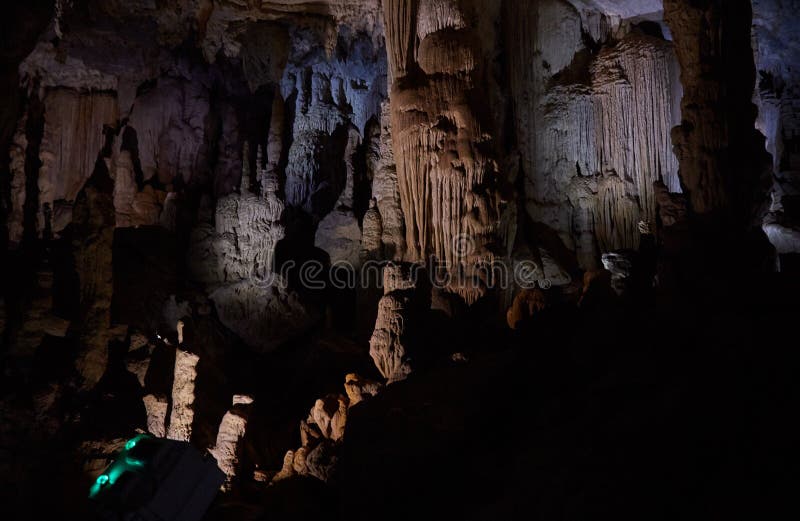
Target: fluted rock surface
(441, 138)
(594, 129)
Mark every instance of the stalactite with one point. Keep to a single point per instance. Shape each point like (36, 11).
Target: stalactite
(169, 121)
(633, 109)
(439, 142)
(72, 140)
(616, 216)
(399, 21)
(581, 115)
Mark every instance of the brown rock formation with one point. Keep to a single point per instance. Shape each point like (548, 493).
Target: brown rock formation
(720, 153)
(441, 138)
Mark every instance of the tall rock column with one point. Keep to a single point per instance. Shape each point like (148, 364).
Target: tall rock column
(93, 239)
(440, 137)
(723, 164)
(720, 153)
(182, 416)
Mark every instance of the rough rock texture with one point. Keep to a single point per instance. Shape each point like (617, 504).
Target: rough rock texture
(442, 140)
(380, 161)
(389, 346)
(339, 233)
(719, 149)
(322, 433)
(92, 240)
(359, 389)
(229, 436)
(183, 396)
(331, 95)
(776, 47)
(589, 172)
(169, 122)
(620, 265)
(156, 407)
(73, 138)
(15, 219)
(526, 304)
(234, 257)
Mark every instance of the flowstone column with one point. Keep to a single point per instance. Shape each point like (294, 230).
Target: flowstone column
(441, 140)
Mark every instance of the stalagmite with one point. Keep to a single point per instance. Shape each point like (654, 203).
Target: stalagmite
(156, 407)
(92, 245)
(182, 416)
(125, 190)
(371, 244)
(359, 389)
(388, 346)
(229, 436)
(322, 432)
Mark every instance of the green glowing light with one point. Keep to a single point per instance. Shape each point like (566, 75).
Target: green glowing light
(124, 462)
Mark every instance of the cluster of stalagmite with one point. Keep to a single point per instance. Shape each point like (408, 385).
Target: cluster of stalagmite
(441, 142)
(323, 430)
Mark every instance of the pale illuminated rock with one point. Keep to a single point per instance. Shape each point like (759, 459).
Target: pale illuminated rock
(183, 396)
(156, 407)
(231, 431)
